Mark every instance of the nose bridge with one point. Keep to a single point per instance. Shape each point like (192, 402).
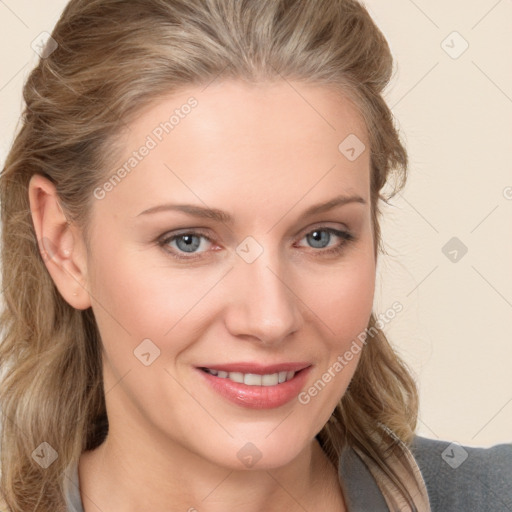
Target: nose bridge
(265, 306)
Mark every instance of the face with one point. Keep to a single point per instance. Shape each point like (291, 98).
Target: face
(227, 323)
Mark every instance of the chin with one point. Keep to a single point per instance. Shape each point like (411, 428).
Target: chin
(259, 448)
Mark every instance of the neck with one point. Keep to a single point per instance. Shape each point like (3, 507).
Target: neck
(124, 475)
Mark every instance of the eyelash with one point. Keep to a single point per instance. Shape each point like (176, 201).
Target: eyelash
(344, 235)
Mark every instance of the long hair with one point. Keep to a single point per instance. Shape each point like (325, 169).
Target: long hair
(111, 59)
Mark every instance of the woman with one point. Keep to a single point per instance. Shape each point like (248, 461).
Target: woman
(190, 235)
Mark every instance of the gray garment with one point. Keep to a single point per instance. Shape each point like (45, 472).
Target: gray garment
(465, 479)
(458, 479)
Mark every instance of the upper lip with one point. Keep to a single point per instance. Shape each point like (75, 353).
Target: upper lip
(258, 369)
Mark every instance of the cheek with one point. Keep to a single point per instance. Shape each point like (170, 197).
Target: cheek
(134, 301)
(344, 299)
(344, 304)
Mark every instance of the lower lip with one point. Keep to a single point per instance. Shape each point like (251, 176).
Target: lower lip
(257, 397)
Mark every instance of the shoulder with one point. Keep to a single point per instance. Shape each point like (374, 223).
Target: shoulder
(460, 478)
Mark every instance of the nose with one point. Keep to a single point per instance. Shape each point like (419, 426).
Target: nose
(263, 304)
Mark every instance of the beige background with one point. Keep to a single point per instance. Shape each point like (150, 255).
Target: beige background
(455, 112)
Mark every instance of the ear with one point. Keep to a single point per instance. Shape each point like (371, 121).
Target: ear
(60, 243)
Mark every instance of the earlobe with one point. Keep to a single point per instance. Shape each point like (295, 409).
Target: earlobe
(58, 242)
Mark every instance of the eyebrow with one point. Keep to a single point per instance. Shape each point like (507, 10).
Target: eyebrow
(222, 216)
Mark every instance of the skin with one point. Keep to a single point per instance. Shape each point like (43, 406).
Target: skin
(263, 153)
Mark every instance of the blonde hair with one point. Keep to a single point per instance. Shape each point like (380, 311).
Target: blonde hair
(113, 58)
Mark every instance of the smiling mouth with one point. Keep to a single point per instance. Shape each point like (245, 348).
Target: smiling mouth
(253, 379)
(257, 386)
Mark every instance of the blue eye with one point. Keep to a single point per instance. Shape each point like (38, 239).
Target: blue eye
(185, 245)
(185, 242)
(190, 243)
(319, 238)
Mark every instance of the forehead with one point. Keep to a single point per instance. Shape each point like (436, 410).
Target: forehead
(252, 138)
(258, 113)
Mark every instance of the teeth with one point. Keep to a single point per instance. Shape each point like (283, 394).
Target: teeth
(253, 379)
(270, 380)
(237, 377)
